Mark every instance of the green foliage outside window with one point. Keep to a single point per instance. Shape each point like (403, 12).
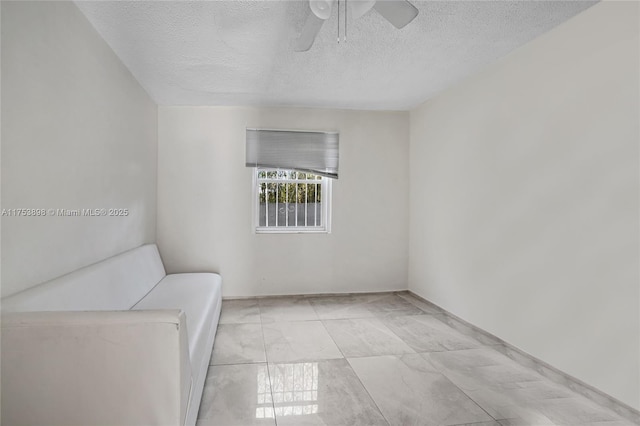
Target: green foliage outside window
(289, 192)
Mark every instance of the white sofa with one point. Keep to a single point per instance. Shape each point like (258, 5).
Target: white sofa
(115, 343)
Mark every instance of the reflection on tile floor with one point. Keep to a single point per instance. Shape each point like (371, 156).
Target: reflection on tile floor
(373, 359)
(237, 395)
(295, 388)
(325, 392)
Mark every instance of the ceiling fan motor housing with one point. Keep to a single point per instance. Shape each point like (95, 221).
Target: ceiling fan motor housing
(321, 8)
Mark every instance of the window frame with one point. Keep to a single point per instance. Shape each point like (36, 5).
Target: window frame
(325, 194)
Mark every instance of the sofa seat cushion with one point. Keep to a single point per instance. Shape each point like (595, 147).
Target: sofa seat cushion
(199, 296)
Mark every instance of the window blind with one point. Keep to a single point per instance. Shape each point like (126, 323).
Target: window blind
(313, 152)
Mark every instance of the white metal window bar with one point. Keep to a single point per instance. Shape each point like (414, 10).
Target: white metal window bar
(291, 201)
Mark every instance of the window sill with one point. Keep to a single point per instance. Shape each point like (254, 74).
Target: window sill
(290, 230)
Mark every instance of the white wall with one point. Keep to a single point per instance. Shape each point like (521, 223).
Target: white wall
(78, 131)
(205, 203)
(524, 199)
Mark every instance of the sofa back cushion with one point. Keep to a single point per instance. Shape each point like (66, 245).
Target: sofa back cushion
(116, 283)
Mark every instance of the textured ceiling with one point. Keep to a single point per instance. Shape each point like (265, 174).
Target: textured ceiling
(241, 52)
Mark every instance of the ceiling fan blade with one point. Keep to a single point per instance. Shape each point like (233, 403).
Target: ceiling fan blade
(398, 12)
(309, 32)
(359, 7)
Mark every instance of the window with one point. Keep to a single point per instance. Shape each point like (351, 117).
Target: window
(292, 178)
(291, 201)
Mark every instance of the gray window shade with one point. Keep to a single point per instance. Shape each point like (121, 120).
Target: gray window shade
(313, 152)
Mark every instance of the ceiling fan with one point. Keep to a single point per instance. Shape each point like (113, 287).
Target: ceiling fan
(398, 12)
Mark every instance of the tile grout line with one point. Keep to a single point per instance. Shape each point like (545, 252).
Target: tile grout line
(444, 373)
(400, 337)
(356, 374)
(460, 389)
(537, 365)
(452, 322)
(332, 339)
(381, 319)
(266, 359)
(469, 330)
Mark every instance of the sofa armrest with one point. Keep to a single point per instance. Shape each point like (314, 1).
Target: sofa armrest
(89, 368)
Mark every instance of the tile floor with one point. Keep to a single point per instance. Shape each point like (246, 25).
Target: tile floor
(375, 359)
